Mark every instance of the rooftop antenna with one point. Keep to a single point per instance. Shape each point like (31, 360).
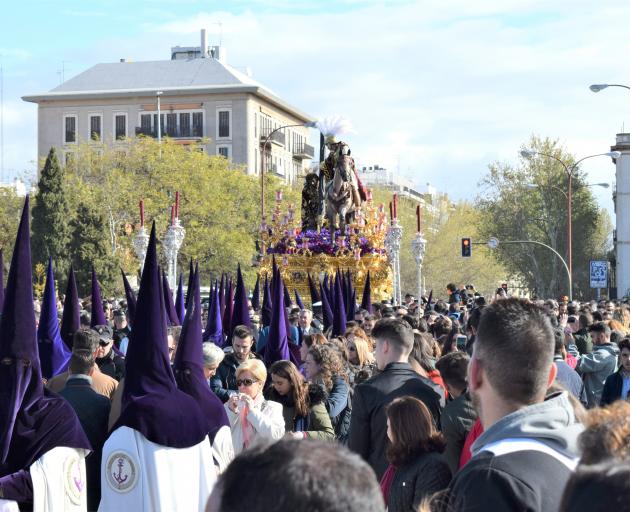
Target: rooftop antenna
(62, 72)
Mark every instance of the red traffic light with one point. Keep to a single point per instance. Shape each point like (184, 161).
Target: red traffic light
(466, 247)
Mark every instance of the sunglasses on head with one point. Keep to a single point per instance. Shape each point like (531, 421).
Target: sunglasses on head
(245, 382)
(104, 343)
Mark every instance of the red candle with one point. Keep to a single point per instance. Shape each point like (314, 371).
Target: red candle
(172, 214)
(177, 204)
(142, 212)
(419, 217)
(395, 206)
(391, 212)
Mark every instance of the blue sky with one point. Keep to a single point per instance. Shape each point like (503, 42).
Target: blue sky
(436, 89)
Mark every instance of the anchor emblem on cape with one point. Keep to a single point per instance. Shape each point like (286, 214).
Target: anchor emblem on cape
(119, 477)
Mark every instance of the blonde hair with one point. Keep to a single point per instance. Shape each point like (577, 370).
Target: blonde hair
(363, 349)
(254, 366)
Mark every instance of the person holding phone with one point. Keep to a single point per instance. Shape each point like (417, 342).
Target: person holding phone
(251, 417)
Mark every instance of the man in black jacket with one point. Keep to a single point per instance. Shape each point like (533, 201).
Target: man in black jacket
(93, 411)
(368, 424)
(107, 360)
(617, 385)
(528, 450)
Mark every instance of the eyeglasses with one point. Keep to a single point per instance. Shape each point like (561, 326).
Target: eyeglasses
(245, 382)
(104, 343)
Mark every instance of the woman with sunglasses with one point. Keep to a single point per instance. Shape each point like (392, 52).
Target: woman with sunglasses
(252, 418)
(360, 365)
(303, 405)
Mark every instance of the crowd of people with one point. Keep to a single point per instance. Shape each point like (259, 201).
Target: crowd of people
(462, 404)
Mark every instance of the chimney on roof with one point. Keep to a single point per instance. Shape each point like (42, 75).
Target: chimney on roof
(204, 44)
(123, 60)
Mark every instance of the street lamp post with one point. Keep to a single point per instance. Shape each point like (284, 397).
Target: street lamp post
(393, 238)
(159, 117)
(310, 124)
(569, 170)
(172, 243)
(601, 87)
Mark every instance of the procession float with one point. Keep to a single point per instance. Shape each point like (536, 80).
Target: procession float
(339, 228)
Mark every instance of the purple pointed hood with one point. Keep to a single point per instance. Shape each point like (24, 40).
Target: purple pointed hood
(151, 402)
(1, 279)
(256, 295)
(265, 319)
(227, 314)
(131, 299)
(366, 301)
(172, 317)
(71, 318)
(298, 299)
(214, 326)
(240, 313)
(33, 420)
(277, 347)
(97, 316)
(180, 302)
(339, 316)
(287, 298)
(53, 353)
(313, 290)
(352, 306)
(190, 279)
(327, 314)
(222, 295)
(188, 365)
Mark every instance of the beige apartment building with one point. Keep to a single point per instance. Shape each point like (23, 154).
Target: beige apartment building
(199, 97)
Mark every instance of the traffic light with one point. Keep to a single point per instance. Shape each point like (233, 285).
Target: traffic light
(466, 248)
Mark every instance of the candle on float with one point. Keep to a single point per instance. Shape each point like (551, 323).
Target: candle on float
(419, 217)
(141, 212)
(172, 214)
(395, 206)
(177, 204)
(357, 254)
(391, 212)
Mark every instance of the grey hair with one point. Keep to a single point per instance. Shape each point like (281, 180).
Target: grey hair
(211, 354)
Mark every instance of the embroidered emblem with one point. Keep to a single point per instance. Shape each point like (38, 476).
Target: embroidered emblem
(74, 479)
(122, 473)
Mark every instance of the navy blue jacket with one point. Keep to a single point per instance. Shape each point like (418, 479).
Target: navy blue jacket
(612, 388)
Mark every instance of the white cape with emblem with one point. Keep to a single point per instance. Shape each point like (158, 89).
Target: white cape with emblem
(137, 474)
(58, 482)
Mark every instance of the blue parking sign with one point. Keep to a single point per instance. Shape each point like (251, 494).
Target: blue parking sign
(599, 274)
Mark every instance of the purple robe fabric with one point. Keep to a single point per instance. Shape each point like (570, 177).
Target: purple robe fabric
(298, 300)
(54, 356)
(188, 366)
(151, 402)
(366, 301)
(222, 295)
(327, 315)
(97, 315)
(227, 314)
(312, 290)
(1, 279)
(188, 289)
(71, 318)
(33, 420)
(339, 313)
(265, 319)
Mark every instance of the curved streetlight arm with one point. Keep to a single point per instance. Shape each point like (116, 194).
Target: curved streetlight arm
(600, 87)
(566, 267)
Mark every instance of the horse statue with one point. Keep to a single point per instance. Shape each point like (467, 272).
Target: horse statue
(340, 195)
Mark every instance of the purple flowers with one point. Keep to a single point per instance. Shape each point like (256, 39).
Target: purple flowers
(321, 243)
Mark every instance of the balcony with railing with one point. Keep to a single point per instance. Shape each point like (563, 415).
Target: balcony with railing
(303, 151)
(178, 132)
(276, 138)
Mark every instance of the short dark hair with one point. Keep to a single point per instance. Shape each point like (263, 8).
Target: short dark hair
(585, 319)
(599, 487)
(558, 335)
(451, 287)
(242, 332)
(81, 361)
(396, 332)
(624, 343)
(313, 476)
(600, 327)
(413, 429)
(515, 345)
(85, 339)
(453, 368)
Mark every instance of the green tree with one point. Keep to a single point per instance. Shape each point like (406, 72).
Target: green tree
(444, 224)
(528, 202)
(50, 229)
(10, 209)
(220, 204)
(89, 247)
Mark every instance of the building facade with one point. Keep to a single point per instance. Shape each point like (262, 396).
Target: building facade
(621, 197)
(201, 100)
